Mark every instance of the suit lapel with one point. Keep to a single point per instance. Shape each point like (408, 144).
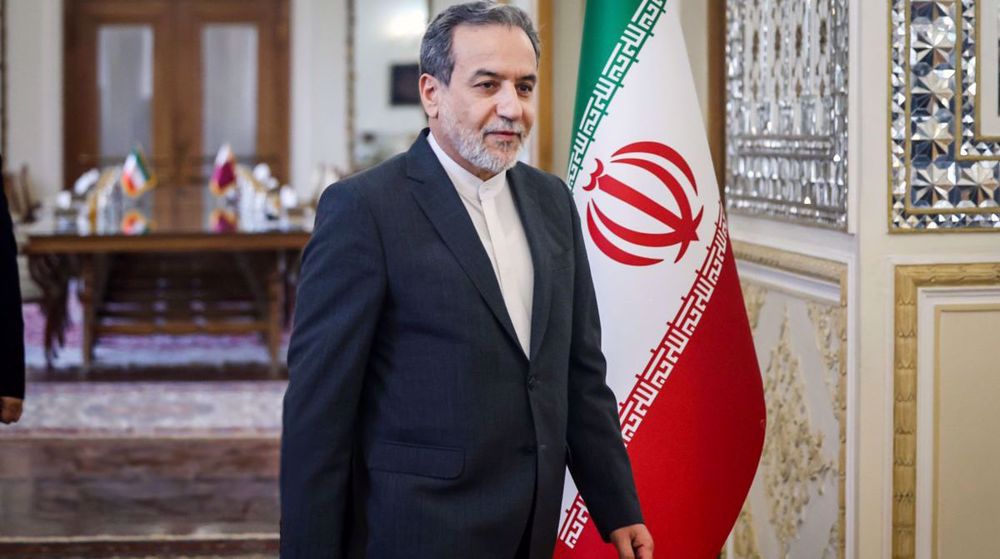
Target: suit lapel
(438, 199)
(536, 231)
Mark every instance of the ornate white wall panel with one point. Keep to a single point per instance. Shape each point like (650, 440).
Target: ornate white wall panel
(796, 505)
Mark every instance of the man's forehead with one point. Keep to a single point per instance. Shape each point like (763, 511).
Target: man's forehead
(498, 49)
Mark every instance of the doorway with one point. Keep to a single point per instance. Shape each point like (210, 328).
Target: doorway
(177, 78)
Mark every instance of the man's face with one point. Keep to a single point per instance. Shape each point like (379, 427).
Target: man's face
(483, 117)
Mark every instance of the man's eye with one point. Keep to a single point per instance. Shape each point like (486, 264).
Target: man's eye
(487, 85)
(526, 88)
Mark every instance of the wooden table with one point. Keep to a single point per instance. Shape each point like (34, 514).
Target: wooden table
(178, 278)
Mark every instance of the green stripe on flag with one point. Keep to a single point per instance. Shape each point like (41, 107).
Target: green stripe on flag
(140, 162)
(613, 32)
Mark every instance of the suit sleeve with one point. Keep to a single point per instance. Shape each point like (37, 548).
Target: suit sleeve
(11, 320)
(599, 463)
(339, 300)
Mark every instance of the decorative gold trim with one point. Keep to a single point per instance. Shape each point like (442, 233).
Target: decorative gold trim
(794, 262)
(745, 544)
(908, 281)
(836, 273)
(754, 297)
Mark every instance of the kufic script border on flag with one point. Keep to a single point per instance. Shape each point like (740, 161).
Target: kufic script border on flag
(624, 55)
(661, 364)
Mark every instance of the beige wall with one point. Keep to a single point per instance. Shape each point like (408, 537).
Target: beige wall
(567, 17)
(967, 453)
(319, 97)
(34, 87)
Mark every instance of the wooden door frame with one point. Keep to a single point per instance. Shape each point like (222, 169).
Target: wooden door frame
(80, 96)
(545, 132)
(273, 73)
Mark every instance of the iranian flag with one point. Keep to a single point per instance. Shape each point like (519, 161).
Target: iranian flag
(136, 176)
(680, 355)
(224, 172)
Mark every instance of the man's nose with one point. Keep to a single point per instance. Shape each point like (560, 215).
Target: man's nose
(508, 103)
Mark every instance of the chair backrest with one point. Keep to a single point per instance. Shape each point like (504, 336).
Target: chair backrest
(12, 190)
(29, 197)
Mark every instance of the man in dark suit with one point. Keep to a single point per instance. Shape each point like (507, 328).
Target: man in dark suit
(445, 363)
(11, 321)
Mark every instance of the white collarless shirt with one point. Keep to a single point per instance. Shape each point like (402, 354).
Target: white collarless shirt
(491, 206)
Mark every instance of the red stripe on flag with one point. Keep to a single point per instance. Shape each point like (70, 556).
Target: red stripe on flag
(700, 405)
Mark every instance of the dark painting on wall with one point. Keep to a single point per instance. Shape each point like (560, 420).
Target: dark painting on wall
(403, 88)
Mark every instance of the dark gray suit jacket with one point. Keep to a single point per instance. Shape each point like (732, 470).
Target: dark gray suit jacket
(414, 425)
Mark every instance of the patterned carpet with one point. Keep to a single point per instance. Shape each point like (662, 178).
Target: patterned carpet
(199, 406)
(128, 352)
(151, 409)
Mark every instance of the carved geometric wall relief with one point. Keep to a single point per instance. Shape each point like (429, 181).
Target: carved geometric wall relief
(786, 110)
(944, 171)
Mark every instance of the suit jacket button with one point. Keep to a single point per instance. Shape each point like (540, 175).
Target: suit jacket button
(532, 382)
(528, 449)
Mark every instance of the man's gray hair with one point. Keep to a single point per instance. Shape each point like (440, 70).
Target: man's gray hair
(436, 55)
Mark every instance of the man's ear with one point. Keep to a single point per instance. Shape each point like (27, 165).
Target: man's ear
(430, 89)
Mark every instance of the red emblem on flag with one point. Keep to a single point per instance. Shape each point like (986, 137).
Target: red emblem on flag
(683, 227)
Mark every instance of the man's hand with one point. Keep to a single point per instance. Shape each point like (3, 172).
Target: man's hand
(10, 409)
(633, 542)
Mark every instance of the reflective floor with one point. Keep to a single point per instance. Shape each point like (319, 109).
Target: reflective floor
(141, 497)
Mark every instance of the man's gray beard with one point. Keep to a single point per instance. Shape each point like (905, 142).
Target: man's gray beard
(471, 145)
